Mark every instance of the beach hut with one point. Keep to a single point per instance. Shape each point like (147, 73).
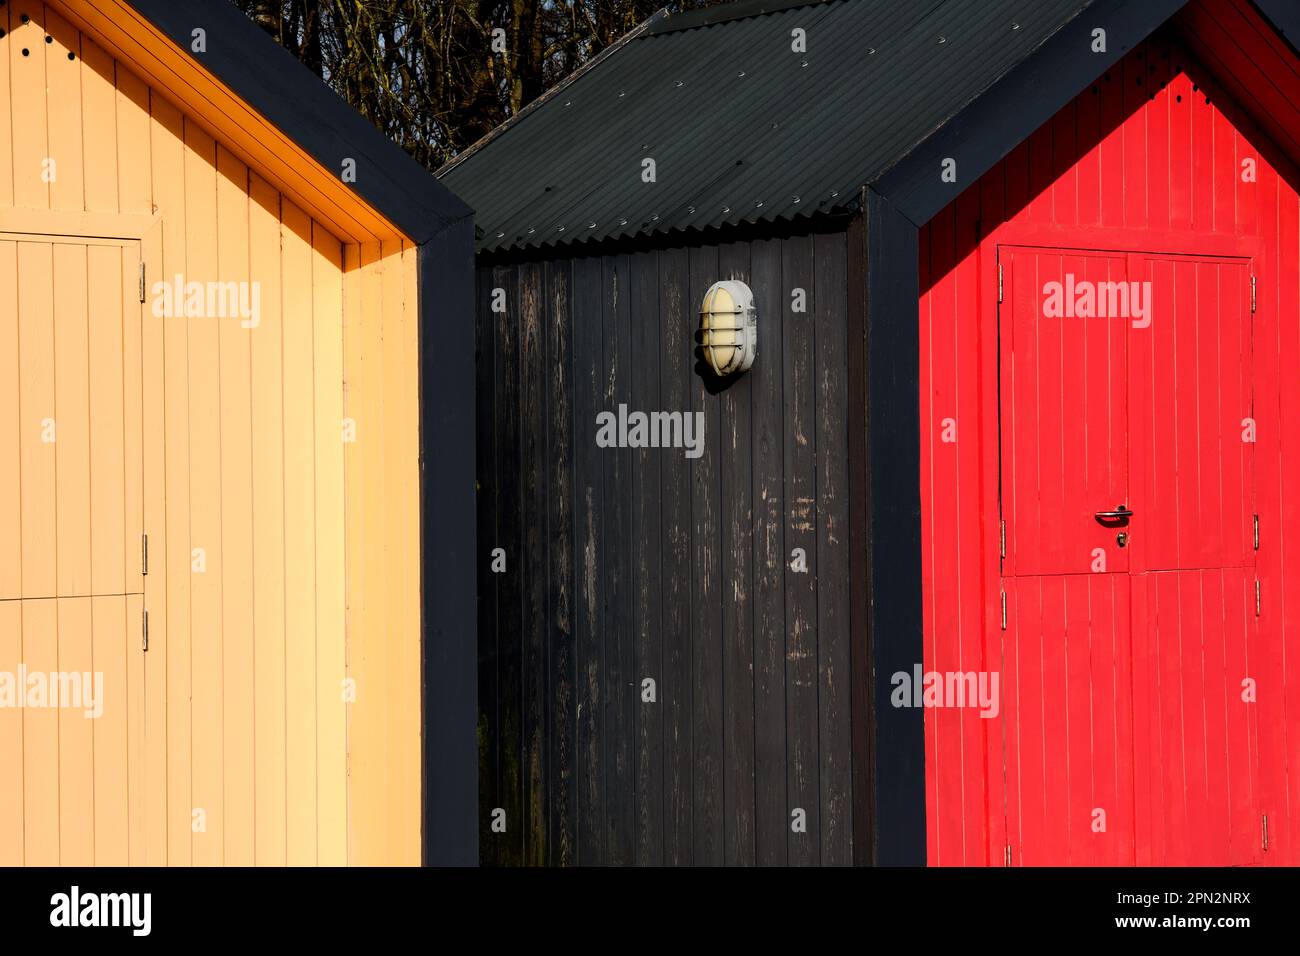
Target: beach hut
(236, 457)
(976, 542)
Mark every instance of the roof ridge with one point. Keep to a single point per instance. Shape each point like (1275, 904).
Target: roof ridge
(726, 13)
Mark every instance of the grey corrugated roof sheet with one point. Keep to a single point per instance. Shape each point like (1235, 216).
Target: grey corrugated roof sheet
(741, 127)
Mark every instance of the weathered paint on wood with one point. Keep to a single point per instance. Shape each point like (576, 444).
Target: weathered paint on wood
(652, 565)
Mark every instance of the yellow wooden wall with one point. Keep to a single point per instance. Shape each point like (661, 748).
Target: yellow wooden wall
(311, 543)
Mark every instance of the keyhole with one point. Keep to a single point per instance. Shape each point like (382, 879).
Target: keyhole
(1121, 539)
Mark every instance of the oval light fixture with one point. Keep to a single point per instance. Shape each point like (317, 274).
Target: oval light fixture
(728, 327)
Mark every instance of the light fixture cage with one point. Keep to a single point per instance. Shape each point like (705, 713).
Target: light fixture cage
(728, 327)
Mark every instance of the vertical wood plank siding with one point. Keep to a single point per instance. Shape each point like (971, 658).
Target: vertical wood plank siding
(627, 564)
(1154, 147)
(310, 544)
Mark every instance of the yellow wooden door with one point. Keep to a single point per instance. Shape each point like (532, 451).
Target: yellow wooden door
(71, 574)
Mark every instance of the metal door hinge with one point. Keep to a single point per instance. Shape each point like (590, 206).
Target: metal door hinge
(144, 554)
(1257, 601)
(1256, 517)
(141, 281)
(1265, 831)
(144, 630)
(999, 283)
(1008, 855)
(1002, 539)
(1252, 294)
(1004, 610)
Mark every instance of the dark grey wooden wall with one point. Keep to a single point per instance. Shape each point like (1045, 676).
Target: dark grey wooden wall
(625, 564)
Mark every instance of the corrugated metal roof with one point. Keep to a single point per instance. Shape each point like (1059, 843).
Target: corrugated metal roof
(741, 127)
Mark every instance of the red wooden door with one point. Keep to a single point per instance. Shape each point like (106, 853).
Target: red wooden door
(1193, 563)
(1066, 703)
(1126, 499)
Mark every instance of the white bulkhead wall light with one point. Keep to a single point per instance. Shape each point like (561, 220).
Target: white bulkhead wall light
(728, 327)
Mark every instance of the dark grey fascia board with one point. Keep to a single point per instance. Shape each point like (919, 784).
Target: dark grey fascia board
(267, 77)
(1284, 15)
(1022, 100)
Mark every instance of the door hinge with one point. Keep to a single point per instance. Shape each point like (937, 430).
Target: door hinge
(1257, 602)
(141, 281)
(1004, 610)
(144, 630)
(1265, 816)
(999, 283)
(1007, 857)
(1002, 539)
(144, 554)
(1256, 532)
(1252, 295)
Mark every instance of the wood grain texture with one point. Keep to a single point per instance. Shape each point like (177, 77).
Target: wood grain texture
(667, 567)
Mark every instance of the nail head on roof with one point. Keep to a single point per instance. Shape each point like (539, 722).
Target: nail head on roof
(1015, 26)
(943, 39)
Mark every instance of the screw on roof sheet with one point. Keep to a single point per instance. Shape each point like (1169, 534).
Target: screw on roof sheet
(834, 193)
(621, 94)
(501, 235)
(531, 231)
(803, 63)
(591, 225)
(679, 83)
(796, 199)
(691, 210)
(561, 229)
(870, 50)
(943, 39)
(741, 73)
(758, 204)
(726, 209)
(1015, 26)
(654, 218)
(568, 102)
(622, 222)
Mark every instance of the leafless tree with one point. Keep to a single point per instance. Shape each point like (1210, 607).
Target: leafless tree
(435, 75)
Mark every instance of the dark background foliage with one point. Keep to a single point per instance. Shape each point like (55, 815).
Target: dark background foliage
(425, 72)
